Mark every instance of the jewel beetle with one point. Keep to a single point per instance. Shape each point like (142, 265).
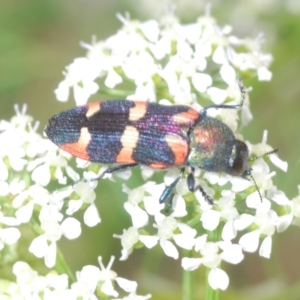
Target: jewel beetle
(128, 133)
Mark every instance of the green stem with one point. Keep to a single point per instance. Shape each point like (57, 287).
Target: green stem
(193, 222)
(211, 294)
(115, 92)
(188, 280)
(62, 267)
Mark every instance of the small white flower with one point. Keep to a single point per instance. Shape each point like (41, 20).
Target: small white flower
(210, 256)
(86, 283)
(232, 253)
(58, 282)
(263, 147)
(30, 284)
(185, 239)
(9, 236)
(87, 196)
(138, 216)
(41, 166)
(166, 227)
(107, 276)
(130, 237)
(54, 227)
(140, 67)
(254, 59)
(80, 76)
(210, 219)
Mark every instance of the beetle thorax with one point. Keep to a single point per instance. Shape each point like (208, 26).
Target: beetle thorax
(213, 147)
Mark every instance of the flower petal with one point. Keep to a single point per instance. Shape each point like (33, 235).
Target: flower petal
(250, 241)
(218, 279)
(71, 228)
(169, 249)
(190, 264)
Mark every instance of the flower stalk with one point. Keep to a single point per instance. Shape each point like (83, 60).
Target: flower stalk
(188, 280)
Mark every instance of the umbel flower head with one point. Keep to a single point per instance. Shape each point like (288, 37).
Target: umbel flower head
(170, 63)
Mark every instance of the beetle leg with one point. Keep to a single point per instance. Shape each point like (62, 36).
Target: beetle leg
(111, 170)
(116, 169)
(168, 191)
(192, 188)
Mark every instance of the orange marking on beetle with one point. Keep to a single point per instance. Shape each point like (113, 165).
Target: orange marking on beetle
(79, 148)
(187, 117)
(129, 141)
(93, 108)
(138, 111)
(208, 138)
(159, 166)
(179, 147)
(203, 136)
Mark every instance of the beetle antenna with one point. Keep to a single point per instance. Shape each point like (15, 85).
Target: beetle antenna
(226, 106)
(249, 171)
(265, 154)
(256, 186)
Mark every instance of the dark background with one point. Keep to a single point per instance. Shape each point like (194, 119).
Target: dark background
(39, 38)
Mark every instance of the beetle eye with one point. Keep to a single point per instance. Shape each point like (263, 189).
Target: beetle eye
(238, 160)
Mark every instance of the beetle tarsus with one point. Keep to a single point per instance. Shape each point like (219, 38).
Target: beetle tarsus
(111, 170)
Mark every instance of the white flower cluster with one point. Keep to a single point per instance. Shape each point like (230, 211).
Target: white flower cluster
(31, 285)
(159, 61)
(152, 58)
(28, 164)
(25, 150)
